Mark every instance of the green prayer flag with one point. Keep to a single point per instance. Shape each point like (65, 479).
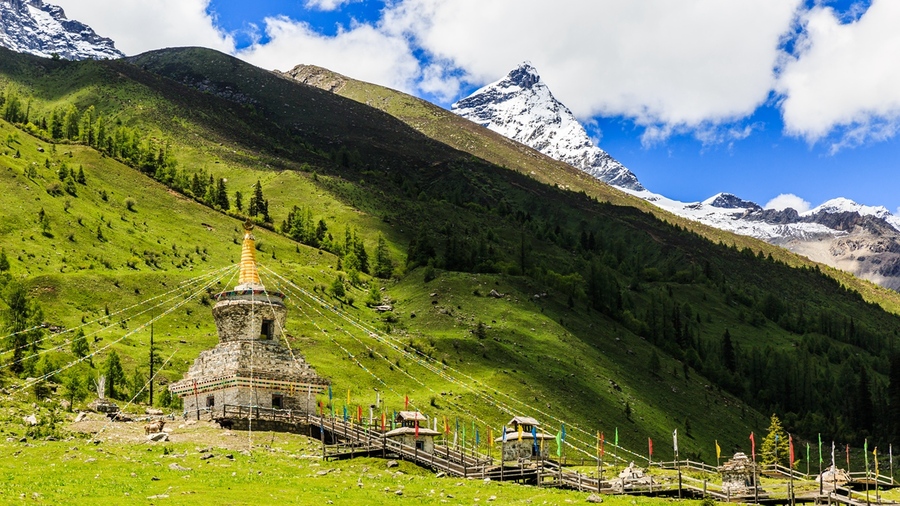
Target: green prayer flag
(617, 437)
(820, 448)
(807, 453)
(559, 444)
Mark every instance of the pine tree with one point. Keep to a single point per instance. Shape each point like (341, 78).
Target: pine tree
(4, 262)
(80, 346)
(257, 204)
(894, 395)
(775, 447)
(238, 201)
(728, 357)
(383, 266)
(115, 376)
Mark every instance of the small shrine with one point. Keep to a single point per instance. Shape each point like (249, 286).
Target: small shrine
(523, 440)
(632, 476)
(412, 430)
(833, 477)
(251, 367)
(738, 475)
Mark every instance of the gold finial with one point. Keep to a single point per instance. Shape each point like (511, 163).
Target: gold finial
(249, 273)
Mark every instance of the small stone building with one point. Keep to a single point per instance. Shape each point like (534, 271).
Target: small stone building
(738, 475)
(251, 366)
(405, 433)
(521, 444)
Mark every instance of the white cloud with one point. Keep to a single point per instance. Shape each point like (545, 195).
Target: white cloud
(363, 52)
(137, 26)
(325, 5)
(844, 78)
(663, 63)
(786, 200)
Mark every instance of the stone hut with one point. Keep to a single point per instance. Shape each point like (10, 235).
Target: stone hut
(523, 439)
(251, 367)
(738, 475)
(405, 433)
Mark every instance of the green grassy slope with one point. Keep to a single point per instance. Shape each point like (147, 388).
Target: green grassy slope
(592, 291)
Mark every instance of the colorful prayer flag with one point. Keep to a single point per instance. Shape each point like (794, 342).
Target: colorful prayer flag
(534, 438)
(491, 438)
(820, 448)
(503, 434)
(520, 432)
(417, 427)
(753, 446)
(718, 450)
(559, 444)
(406, 403)
(650, 446)
(866, 452)
(383, 421)
(791, 447)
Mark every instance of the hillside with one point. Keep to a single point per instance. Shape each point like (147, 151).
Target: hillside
(587, 277)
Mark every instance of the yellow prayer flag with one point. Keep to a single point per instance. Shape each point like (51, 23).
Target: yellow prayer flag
(520, 432)
(348, 396)
(875, 453)
(718, 450)
(491, 437)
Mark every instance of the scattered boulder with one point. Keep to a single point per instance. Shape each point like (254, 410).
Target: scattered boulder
(594, 498)
(177, 467)
(391, 463)
(158, 437)
(206, 456)
(30, 420)
(154, 411)
(495, 294)
(80, 416)
(440, 474)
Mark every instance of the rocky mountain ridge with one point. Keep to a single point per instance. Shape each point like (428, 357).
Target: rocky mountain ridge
(31, 26)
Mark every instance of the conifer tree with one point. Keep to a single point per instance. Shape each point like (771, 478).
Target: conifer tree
(80, 346)
(775, 448)
(115, 375)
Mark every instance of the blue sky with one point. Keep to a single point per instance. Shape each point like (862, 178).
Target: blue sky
(754, 97)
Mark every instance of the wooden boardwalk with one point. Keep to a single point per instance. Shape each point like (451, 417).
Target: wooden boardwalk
(343, 440)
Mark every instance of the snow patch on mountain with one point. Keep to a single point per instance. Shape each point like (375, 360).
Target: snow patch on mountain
(31, 26)
(521, 107)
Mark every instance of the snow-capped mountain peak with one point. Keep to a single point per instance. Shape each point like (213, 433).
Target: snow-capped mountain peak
(31, 26)
(844, 205)
(520, 106)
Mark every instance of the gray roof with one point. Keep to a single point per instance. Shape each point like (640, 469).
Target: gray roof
(524, 420)
(411, 415)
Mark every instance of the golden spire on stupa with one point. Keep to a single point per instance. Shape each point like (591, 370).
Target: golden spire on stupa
(249, 272)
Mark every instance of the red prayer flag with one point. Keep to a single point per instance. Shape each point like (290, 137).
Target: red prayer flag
(359, 413)
(650, 445)
(383, 421)
(753, 447)
(406, 403)
(417, 428)
(601, 445)
(791, 445)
